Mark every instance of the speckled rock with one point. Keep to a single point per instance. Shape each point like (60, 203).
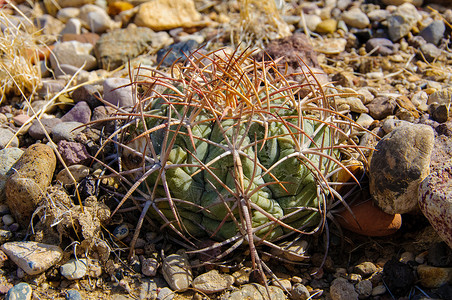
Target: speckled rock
(381, 107)
(364, 289)
(32, 257)
(177, 272)
(399, 165)
(7, 138)
(299, 292)
(8, 158)
(435, 200)
(402, 20)
(212, 282)
(73, 153)
(21, 291)
(74, 268)
(341, 289)
(25, 187)
(167, 14)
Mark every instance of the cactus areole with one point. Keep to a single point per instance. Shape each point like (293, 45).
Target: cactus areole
(227, 147)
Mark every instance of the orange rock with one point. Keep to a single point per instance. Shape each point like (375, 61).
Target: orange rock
(42, 53)
(115, 8)
(369, 220)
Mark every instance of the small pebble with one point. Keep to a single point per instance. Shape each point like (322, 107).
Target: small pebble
(121, 231)
(8, 220)
(149, 266)
(74, 269)
(73, 295)
(165, 294)
(299, 292)
(406, 257)
(378, 290)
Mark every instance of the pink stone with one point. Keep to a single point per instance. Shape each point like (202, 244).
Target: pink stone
(20, 120)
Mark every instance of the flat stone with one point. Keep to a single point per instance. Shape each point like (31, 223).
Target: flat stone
(66, 131)
(212, 282)
(7, 137)
(74, 268)
(167, 14)
(397, 167)
(27, 184)
(32, 257)
(117, 47)
(177, 272)
(21, 291)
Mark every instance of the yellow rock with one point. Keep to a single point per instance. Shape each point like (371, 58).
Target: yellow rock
(115, 8)
(327, 26)
(167, 14)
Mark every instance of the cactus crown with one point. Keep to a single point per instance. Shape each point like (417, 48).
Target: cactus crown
(232, 148)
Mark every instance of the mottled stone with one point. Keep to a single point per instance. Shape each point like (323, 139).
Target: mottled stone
(21, 291)
(435, 200)
(341, 289)
(25, 187)
(381, 107)
(73, 153)
(34, 258)
(212, 282)
(399, 164)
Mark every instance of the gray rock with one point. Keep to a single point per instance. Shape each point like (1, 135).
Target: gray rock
(32, 257)
(73, 26)
(50, 87)
(434, 32)
(364, 289)
(341, 289)
(212, 282)
(399, 165)
(37, 132)
(435, 200)
(378, 15)
(402, 20)
(7, 137)
(430, 52)
(73, 153)
(165, 294)
(8, 220)
(28, 183)
(66, 131)
(74, 268)
(81, 113)
(365, 120)
(115, 48)
(73, 295)
(148, 290)
(73, 53)
(355, 18)
(383, 46)
(8, 158)
(177, 272)
(299, 292)
(390, 124)
(21, 291)
(257, 292)
(118, 91)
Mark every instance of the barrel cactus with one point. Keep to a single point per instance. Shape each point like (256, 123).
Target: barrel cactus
(231, 148)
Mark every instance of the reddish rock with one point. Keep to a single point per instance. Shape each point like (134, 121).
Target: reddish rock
(369, 220)
(73, 153)
(82, 38)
